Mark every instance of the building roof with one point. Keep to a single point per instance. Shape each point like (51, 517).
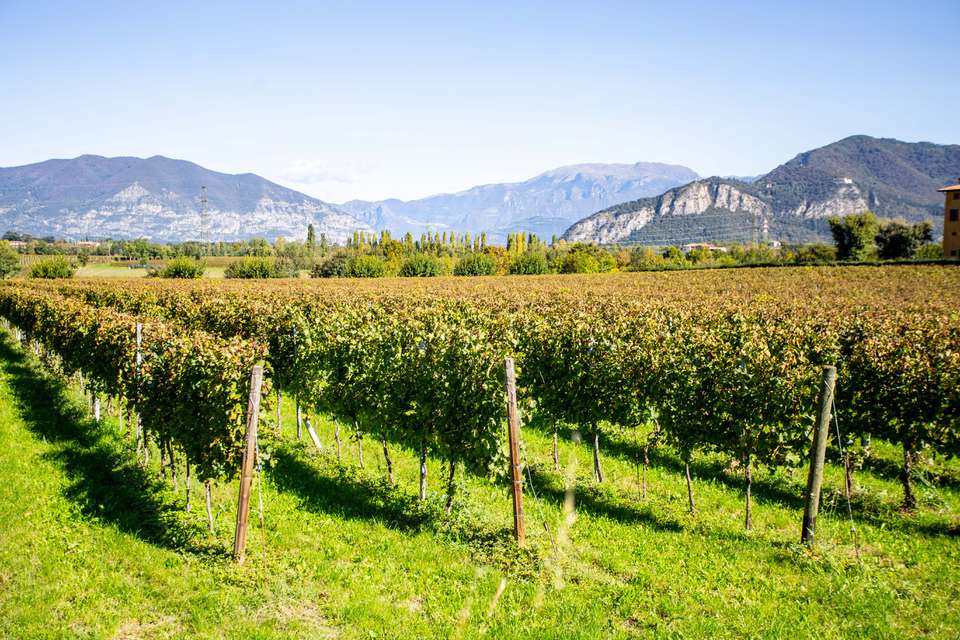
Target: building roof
(952, 187)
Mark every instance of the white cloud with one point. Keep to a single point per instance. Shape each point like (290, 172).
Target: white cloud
(316, 172)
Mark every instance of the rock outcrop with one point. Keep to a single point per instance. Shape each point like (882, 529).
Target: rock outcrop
(792, 202)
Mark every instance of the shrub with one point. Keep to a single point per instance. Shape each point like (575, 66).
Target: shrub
(699, 255)
(367, 267)
(673, 255)
(9, 260)
(644, 258)
(447, 264)
(579, 262)
(248, 268)
(336, 266)
(606, 262)
(420, 265)
(56, 267)
(530, 263)
(475, 264)
(392, 265)
(815, 253)
(187, 268)
(285, 268)
(929, 252)
(760, 254)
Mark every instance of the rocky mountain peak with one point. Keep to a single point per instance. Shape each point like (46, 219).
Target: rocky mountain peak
(157, 198)
(792, 202)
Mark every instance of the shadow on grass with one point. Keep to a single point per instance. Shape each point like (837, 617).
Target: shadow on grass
(327, 487)
(765, 489)
(598, 500)
(338, 490)
(890, 469)
(774, 488)
(105, 481)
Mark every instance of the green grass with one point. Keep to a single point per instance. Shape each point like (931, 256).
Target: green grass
(91, 545)
(122, 270)
(109, 270)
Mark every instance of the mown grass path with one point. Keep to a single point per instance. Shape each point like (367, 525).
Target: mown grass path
(93, 546)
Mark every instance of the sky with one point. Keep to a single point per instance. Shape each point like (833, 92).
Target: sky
(369, 100)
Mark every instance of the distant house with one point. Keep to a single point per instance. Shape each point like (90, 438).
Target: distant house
(687, 248)
(951, 221)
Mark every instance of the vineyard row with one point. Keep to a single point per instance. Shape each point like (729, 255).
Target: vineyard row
(738, 377)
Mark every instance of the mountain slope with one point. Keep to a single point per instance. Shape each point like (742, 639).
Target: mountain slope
(158, 198)
(893, 178)
(545, 204)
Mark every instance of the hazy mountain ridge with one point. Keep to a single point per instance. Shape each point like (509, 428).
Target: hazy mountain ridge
(159, 198)
(893, 178)
(94, 196)
(545, 204)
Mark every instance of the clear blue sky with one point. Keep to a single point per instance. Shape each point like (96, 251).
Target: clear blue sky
(371, 100)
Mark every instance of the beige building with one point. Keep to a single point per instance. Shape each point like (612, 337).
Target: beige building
(951, 221)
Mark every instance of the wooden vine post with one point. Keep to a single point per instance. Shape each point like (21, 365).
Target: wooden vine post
(513, 432)
(818, 451)
(246, 473)
(313, 435)
(138, 435)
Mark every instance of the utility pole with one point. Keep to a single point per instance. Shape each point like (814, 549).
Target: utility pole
(203, 212)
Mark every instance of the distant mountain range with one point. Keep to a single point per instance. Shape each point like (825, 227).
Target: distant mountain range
(792, 202)
(545, 204)
(642, 203)
(157, 198)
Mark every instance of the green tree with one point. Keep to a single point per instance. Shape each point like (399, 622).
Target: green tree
(420, 265)
(587, 258)
(854, 235)
(896, 240)
(579, 262)
(367, 267)
(51, 268)
(183, 267)
(930, 252)
(311, 239)
(335, 266)
(814, 254)
(673, 255)
(699, 255)
(259, 247)
(476, 264)
(9, 260)
(138, 250)
(644, 258)
(260, 267)
(530, 263)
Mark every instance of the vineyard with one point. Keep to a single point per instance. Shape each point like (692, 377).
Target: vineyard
(703, 376)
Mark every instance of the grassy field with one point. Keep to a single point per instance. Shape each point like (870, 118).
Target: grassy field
(93, 546)
(122, 270)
